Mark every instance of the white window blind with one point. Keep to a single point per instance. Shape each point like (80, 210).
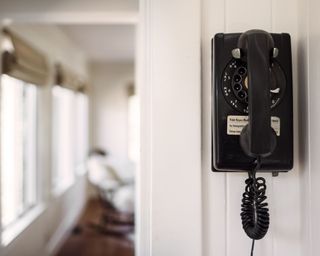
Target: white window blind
(133, 128)
(63, 137)
(18, 149)
(82, 131)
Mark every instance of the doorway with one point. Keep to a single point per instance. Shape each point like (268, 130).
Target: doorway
(86, 145)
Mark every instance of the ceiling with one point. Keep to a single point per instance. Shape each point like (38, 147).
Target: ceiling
(69, 6)
(104, 43)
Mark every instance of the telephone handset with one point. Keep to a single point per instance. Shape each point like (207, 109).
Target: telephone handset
(253, 118)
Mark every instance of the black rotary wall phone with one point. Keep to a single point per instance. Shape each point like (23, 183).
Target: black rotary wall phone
(253, 118)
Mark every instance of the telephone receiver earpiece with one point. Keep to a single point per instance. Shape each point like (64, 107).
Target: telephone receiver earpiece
(256, 48)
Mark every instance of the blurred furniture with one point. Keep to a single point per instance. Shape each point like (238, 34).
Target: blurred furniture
(114, 183)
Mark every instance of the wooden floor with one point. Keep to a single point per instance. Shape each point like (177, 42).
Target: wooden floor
(85, 241)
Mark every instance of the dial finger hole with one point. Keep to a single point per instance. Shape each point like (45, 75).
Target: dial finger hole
(242, 94)
(242, 71)
(237, 87)
(237, 78)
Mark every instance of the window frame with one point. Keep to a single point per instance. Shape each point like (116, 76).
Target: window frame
(58, 189)
(134, 128)
(29, 212)
(80, 166)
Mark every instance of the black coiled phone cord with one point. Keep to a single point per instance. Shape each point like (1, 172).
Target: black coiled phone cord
(254, 208)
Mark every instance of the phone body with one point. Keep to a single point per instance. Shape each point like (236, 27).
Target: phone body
(230, 106)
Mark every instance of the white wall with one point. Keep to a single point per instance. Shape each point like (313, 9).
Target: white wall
(309, 79)
(222, 230)
(60, 211)
(109, 107)
(170, 150)
(169, 181)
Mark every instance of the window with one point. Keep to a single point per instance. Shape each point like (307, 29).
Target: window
(63, 138)
(133, 128)
(18, 149)
(82, 131)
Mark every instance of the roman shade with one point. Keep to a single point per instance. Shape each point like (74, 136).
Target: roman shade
(67, 79)
(22, 61)
(131, 90)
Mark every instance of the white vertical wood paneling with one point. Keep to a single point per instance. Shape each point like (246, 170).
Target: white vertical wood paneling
(224, 194)
(247, 14)
(143, 177)
(304, 119)
(172, 63)
(286, 236)
(314, 95)
(213, 184)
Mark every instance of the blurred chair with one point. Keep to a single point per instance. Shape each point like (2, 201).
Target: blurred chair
(114, 181)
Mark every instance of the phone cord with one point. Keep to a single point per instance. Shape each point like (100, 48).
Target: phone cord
(254, 209)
